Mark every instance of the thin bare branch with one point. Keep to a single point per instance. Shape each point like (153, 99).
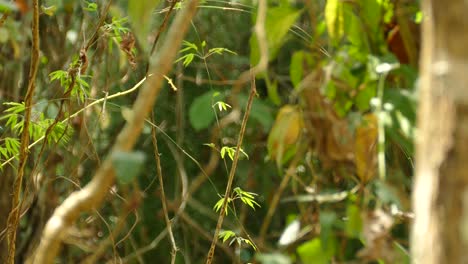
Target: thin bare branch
(92, 195)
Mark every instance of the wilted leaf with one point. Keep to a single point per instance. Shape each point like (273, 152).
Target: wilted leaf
(365, 146)
(285, 133)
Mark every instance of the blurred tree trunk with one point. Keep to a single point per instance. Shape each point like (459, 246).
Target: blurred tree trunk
(440, 199)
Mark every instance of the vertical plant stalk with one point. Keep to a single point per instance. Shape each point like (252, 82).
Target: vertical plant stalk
(163, 194)
(227, 194)
(13, 217)
(93, 194)
(381, 129)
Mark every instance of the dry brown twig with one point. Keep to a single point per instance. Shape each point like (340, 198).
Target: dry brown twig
(92, 195)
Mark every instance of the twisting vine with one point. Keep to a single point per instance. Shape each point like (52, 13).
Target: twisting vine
(13, 217)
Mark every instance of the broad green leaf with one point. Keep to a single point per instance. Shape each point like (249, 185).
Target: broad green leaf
(327, 220)
(7, 6)
(272, 88)
(296, 68)
(364, 96)
(127, 165)
(261, 111)
(354, 29)
(278, 22)
(371, 13)
(354, 224)
(313, 252)
(201, 113)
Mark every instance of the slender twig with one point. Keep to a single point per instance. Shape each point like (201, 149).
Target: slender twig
(92, 195)
(94, 37)
(13, 217)
(163, 194)
(162, 27)
(232, 172)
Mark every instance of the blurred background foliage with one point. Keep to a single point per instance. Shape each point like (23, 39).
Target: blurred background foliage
(329, 139)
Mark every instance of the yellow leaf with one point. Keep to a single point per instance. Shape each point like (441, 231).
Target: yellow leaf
(365, 147)
(285, 133)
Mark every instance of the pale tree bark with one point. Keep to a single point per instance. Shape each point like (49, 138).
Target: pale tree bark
(440, 198)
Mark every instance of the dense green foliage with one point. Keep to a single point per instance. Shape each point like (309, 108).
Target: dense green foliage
(326, 164)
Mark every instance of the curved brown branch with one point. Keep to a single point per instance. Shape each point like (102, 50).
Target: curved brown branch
(92, 195)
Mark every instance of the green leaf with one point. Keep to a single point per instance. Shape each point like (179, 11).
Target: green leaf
(354, 223)
(364, 96)
(371, 13)
(313, 252)
(296, 67)
(327, 220)
(272, 89)
(226, 234)
(219, 205)
(261, 112)
(91, 7)
(12, 146)
(127, 165)
(201, 113)
(7, 6)
(250, 243)
(278, 22)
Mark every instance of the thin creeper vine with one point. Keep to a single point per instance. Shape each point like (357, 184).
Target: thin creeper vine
(13, 217)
